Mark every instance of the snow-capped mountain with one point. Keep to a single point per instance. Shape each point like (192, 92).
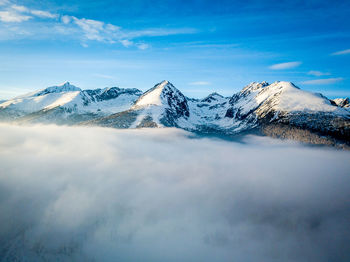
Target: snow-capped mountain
(342, 102)
(277, 108)
(270, 108)
(161, 106)
(261, 101)
(280, 109)
(67, 104)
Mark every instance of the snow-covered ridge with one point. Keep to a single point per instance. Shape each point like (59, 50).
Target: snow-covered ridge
(256, 105)
(293, 99)
(162, 94)
(161, 105)
(65, 87)
(342, 102)
(153, 96)
(73, 99)
(280, 96)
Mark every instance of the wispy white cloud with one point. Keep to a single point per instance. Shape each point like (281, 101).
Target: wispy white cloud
(287, 65)
(20, 13)
(104, 76)
(342, 52)
(323, 81)
(159, 32)
(126, 42)
(318, 73)
(199, 83)
(102, 32)
(13, 17)
(43, 14)
(38, 13)
(66, 19)
(93, 29)
(20, 8)
(82, 29)
(142, 46)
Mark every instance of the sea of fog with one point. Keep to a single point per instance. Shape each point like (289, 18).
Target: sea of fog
(99, 194)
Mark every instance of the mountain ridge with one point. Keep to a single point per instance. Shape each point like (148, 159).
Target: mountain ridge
(272, 108)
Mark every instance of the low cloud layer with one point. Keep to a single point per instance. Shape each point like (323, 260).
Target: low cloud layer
(94, 194)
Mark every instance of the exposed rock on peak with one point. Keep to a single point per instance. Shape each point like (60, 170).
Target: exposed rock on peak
(65, 87)
(212, 97)
(342, 102)
(167, 96)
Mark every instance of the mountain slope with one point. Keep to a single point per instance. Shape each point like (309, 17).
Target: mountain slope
(161, 106)
(67, 104)
(342, 102)
(272, 107)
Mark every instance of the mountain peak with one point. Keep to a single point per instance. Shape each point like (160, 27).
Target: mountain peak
(64, 87)
(164, 82)
(66, 83)
(285, 85)
(254, 86)
(159, 94)
(342, 102)
(214, 94)
(167, 97)
(212, 97)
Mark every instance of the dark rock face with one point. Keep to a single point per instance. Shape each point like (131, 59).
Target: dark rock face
(119, 120)
(342, 102)
(147, 122)
(285, 131)
(229, 113)
(58, 115)
(176, 101)
(212, 98)
(98, 95)
(324, 124)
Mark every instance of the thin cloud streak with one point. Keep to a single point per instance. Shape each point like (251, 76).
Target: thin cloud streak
(199, 83)
(342, 52)
(323, 81)
(287, 65)
(318, 73)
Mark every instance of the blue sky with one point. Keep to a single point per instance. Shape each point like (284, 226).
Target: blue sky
(200, 46)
